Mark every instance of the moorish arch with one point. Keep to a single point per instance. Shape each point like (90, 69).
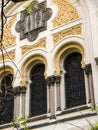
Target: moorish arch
(69, 64)
(35, 70)
(65, 47)
(7, 100)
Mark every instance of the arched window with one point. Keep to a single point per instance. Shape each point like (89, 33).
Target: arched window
(74, 81)
(7, 100)
(38, 91)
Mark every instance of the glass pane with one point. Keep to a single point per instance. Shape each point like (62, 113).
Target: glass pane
(74, 81)
(38, 91)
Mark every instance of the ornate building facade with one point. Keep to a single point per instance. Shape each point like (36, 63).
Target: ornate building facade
(51, 65)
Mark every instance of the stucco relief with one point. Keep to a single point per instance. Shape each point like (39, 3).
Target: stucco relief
(41, 43)
(75, 30)
(66, 13)
(8, 38)
(10, 55)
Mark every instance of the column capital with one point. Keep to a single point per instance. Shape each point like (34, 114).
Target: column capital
(23, 89)
(58, 79)
(88, 69)
(17, 90)
(96, 59)
(51, 80)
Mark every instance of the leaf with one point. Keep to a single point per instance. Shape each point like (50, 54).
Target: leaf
(25, 128)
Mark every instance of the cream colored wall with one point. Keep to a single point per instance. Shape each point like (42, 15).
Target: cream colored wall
(78, 25)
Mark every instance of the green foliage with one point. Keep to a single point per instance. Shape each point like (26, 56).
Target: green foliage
(94, 109)
(20, 121)
(30, 6)
(95, 127)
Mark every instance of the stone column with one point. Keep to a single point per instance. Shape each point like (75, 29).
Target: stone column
(51, 82)
(17, 91)
(88, 71)
(23, 91)
(58, 81)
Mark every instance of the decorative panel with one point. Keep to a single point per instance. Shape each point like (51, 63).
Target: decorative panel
(30, 25)
(8, 38)
(66, 13)
(75, 30)
(10, 55)
(40, 44)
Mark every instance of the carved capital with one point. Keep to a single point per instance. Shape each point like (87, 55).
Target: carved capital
(23, 89)
(96, 59)
(58, 79)
(51, 80)
(17, 90)
(88, 69)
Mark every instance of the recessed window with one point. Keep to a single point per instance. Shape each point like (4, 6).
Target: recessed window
(74, 81)
(7, 100)
(38, 91)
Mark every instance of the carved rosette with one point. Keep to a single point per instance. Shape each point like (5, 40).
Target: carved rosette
(76, 30)
(40, 44)
(66, 13)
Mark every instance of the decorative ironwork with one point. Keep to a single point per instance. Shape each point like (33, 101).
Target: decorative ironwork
(6, 99)
(74, 81)
(38, 91)
(30, 25)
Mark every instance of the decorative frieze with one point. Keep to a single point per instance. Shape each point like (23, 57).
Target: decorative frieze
(9, 55)
(66, 13)
(40, 44)
(8, 38)
(75, 30)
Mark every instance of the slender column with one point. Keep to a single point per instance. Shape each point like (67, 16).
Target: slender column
(88, 71)
(58, 80)
(50, 82)
(17, 91)
(23, 91)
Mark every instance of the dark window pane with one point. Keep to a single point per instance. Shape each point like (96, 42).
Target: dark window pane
(38, 91)
(74, 81)
(7, 101)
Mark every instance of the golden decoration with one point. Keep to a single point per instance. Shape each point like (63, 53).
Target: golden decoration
(10, 55)
(31, 61)
(8, 70)
(72, 46)
(66, 13)
(8, 38)
(75, 30)
(41, 43)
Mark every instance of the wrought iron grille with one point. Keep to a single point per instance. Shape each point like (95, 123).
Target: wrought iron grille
(6, 100)
(38, 92)
(74, 81)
